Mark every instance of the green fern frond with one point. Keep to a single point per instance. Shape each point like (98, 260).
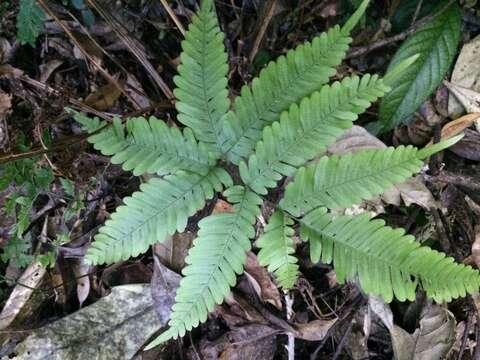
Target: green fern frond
(277, 247)
(29, 22)
(282, 83)
(338, 182)
(160, 208)
(202, 95)
(149, 146)
(304, 131)
(217, 256)
(385, 261)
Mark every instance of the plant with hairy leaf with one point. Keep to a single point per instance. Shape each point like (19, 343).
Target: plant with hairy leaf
(285, 119)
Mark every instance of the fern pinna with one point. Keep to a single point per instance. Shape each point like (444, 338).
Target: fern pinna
(284, 120)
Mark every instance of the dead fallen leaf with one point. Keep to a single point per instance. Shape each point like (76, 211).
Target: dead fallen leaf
(253, 341)
(48, 68)
(431, 341)
(414, 191)
(163, 286)
(83, 281)
(5, 106)
(469, 146)
(221, 206)
(468, 98)
(314, 330)
(9, 70)
(466, 73)
(476, 247)
(135, 90)
(262, 282)
(25, 298)
(105, 97)
(457, 126)
(173, 251)
(116, 326)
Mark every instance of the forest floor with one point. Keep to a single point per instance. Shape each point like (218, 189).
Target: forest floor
(118, 58)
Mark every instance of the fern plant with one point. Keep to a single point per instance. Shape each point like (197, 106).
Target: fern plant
(285, 119)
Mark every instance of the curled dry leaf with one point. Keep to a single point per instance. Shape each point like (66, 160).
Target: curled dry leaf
(457, 126)
(5, 106)
(314, 330)
(431, 341)
(262, 282)
(47, 69)
(105, 97)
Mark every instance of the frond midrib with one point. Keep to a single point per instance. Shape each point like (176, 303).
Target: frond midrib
(231, 239)
(315, 194)
(169, 205)
(368, 254)
(269, 108)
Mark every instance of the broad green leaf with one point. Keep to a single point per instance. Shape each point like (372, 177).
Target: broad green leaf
(436, 43)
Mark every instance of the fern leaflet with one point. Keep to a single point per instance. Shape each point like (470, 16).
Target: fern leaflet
(385, 261)
(217, 256)
(29, 22)
(161, 207)
(277, 248)
(150, 146)
(202, 95)
(306, 130)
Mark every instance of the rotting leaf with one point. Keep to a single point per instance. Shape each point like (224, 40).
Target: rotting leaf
(262, 282)
(115, 327)
(431, 341)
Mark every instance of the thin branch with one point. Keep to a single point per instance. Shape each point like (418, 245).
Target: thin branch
(173, 16)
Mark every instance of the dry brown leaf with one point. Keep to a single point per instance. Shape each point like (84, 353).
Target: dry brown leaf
(476, 247)
(173, 251)
(105, 97)
(221, 206)
(135, 90)
(22, 302)
(466, 73)
(47, 69)
(262, 282)
(314, 330)
(457, 126)
(9, 70)
(83, 281)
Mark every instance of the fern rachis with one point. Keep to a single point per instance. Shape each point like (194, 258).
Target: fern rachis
(269, 133)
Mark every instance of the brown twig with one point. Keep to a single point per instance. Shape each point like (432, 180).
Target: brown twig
(359, 51)
(454, 179)
(270, 9)
(173, 16)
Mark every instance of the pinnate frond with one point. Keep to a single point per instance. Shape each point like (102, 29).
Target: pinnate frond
(306, 130)
(338, 182)
(217, 256)
(149, 146)
(385, 261)
(276, 249)
(282, 83)
(160, 208)
(202, 95)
